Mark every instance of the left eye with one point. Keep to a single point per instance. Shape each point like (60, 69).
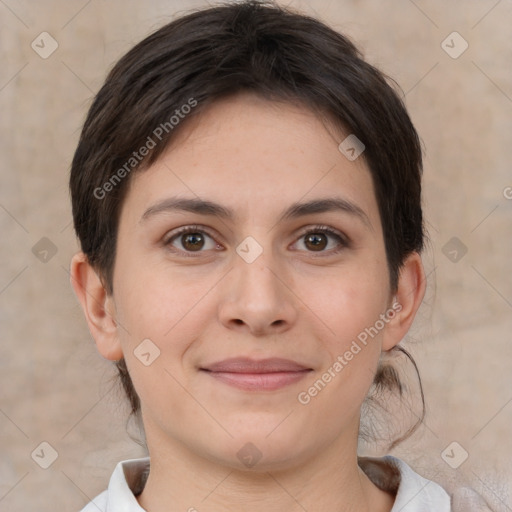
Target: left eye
(320, 240)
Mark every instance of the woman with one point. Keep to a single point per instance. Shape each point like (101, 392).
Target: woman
(247, 195)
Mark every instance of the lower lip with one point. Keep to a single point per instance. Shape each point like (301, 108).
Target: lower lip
(259, 381)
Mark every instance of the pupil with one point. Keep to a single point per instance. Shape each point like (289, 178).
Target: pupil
(193, 241)
(318, 241)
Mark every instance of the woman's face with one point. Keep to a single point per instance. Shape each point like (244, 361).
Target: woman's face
(284, 258)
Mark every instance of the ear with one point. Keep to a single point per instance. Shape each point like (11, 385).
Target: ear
(98, 306)
(406, 301)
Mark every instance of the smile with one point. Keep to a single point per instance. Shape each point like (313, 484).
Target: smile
(253, 375)
(259, 381)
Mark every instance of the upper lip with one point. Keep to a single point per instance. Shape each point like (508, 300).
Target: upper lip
(248, 365)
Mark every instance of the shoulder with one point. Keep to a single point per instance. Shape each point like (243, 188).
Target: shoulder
(126, 482)
(413, 493)
(416, 493)
(458, 499)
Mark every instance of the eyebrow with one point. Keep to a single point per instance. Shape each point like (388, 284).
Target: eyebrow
(294, 211)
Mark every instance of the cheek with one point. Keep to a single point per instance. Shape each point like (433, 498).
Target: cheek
(169, 308)
(350, 305)
(349, 300)
(161, 317)
(158, 305)
(352, 355)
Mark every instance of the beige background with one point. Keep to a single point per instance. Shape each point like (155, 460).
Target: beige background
(56, 388)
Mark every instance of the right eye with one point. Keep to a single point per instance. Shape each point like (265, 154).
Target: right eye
(190, 239)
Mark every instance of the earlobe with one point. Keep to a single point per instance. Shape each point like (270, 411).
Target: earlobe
(407, 300)
(98, 307)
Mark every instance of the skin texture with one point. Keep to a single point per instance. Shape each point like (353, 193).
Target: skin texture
(256, 158)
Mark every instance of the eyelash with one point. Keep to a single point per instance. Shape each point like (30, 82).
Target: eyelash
(341, 239)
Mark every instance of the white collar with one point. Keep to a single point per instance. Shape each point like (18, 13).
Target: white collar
(414, 493)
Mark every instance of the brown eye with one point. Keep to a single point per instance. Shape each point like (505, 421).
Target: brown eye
(322, 239)
(316, 241)
(192, 241)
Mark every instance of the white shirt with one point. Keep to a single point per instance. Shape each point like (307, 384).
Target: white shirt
(413, 492)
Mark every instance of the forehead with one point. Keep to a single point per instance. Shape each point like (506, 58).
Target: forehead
(252, 155)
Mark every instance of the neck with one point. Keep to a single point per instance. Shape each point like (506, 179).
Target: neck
(181, 480)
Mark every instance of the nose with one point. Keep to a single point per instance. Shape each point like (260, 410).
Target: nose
(256, 299)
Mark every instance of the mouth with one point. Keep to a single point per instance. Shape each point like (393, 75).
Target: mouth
(257, 375)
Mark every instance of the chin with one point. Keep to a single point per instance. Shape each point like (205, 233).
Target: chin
(257, 451)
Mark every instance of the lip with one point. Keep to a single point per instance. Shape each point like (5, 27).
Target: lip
(248, 365)
(257, 375)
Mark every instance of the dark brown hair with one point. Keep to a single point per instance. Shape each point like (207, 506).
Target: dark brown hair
(217, 52)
